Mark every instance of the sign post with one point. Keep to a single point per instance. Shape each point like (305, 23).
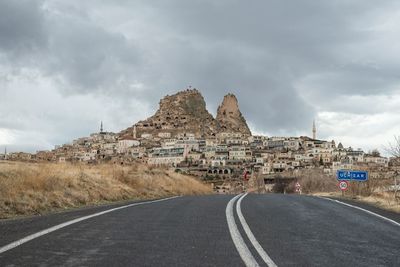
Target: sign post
(344, 176)
(343, 185)
(298, 187)
(246, 175)
(348, 175)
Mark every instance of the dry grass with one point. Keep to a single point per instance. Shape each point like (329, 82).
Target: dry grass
(383, 200)
(315, 182)
(27, 188)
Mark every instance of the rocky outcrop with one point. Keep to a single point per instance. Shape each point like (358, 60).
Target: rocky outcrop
(229, 117)
(184, 112)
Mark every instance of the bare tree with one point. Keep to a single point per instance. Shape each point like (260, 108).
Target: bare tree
(375, 153)
(393, 149)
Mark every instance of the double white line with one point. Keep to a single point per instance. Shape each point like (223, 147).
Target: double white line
(237, 238)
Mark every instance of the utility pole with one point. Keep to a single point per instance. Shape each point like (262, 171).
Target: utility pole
(395, 185)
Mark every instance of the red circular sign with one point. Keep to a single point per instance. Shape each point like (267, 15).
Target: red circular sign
(343, 185)
(245, 175)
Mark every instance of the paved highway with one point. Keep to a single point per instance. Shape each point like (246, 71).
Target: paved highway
(216, 230)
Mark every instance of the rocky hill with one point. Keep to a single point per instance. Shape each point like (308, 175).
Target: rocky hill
(229, 117)
(185, 112)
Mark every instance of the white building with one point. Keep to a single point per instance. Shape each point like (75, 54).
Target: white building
(377, 160)
(126, 143)
(167, 156)
(237, 153)
(146, 136)
(164, 135)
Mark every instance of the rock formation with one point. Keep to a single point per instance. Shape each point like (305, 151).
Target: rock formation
(229, 117)
(184, 112)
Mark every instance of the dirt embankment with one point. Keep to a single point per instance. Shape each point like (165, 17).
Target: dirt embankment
(27, 189)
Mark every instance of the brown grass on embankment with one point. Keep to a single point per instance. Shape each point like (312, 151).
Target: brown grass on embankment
(312, 181)
(30, 188)
(384, 200)
(315, 182)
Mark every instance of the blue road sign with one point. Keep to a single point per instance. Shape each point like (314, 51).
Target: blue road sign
(347, 175)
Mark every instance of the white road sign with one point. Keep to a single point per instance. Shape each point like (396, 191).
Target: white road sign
(343, 185)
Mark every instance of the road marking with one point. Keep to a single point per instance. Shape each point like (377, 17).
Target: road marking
(367, 211)
(62, 225)
(251, 236)
(237, 238)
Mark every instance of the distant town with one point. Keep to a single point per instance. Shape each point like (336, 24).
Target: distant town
(210, 149)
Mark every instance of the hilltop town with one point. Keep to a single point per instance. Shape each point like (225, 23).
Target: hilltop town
(184, 135)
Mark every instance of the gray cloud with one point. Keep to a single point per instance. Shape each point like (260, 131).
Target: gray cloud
(91, 58)
(21, 26)
(286, 61)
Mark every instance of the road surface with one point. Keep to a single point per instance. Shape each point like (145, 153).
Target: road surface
(215, 230)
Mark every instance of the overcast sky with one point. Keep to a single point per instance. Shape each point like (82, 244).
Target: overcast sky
(67, 65)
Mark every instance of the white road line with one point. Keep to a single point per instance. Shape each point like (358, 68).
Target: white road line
(367, 211)
(251, 236)
(62, 225)
(240, 245)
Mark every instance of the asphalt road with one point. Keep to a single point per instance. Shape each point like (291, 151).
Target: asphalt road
(217, 230)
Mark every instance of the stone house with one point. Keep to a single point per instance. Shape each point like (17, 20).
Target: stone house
(125, 143)
(237, 153)
(377, 160)
(167, 156)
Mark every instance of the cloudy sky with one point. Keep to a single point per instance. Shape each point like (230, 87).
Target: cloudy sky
(67, 65)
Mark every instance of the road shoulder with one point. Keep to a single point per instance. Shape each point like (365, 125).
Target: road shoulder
(367, 206)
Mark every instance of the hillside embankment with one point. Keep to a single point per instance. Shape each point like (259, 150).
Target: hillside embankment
(39, 188)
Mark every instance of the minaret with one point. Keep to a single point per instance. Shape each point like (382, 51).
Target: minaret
(134, 132)
(5, 152)
(314, 130)
(101, 127)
